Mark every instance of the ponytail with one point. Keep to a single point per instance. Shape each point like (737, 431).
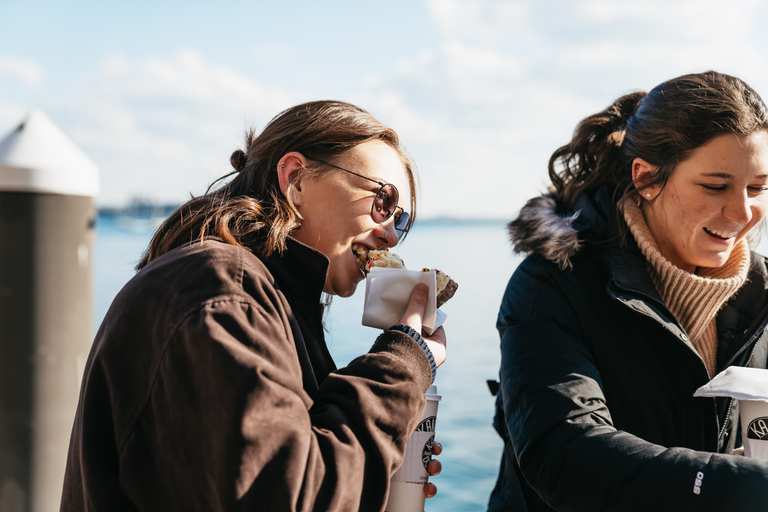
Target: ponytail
(594, 155)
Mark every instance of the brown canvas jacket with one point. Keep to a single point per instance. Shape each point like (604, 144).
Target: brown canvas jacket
(209, 387)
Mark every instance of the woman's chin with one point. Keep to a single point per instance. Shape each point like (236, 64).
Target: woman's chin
(344, 289)
(712, 261)
(348, 291)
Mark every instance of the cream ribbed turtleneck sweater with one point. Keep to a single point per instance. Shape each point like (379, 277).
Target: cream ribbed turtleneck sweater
(694, 299)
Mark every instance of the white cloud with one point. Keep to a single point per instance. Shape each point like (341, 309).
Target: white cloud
(165, 127)
(676, 16)
(505, 21)
(464, 73)
(184, 76)
(483, 20)
(483, 109)
(27, 71)
(480, 106)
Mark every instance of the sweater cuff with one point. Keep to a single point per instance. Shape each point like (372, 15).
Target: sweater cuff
(410, 331)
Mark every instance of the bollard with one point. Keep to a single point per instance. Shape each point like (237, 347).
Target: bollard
(47, 220)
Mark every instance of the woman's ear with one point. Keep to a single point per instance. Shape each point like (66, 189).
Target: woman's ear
(643, 173)
(289, 172)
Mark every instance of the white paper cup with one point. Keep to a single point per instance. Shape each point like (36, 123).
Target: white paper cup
(406, 487)
(754, 428)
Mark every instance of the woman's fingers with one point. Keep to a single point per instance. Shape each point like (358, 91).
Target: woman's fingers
(434, 467)
(437, 448)
(430, 489)
(414, 313)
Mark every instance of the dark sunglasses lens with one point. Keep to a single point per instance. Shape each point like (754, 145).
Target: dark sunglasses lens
(401, 221)
(385, 203)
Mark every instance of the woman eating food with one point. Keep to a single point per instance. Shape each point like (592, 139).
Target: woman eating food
(209, 385)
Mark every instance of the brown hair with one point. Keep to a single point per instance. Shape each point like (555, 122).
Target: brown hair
(251, 209)
(662, 127)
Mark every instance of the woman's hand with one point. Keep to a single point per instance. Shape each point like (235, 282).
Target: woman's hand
(433, 468)
(414, 316)
(436, 343)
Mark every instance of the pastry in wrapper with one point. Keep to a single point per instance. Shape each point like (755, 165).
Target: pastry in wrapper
(446, 286)
(384, 258)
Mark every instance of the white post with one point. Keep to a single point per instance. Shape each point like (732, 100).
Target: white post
(47, 220)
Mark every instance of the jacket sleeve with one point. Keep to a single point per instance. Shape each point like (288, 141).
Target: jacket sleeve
(561, 429)
(228, 426)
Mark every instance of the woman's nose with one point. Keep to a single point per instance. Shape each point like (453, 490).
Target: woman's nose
(738, 208)
(387, 233)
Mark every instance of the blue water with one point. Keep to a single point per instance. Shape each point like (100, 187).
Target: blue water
(478, 257)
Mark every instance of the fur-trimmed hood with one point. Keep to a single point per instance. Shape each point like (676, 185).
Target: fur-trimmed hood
(539, 229)
(543, 228)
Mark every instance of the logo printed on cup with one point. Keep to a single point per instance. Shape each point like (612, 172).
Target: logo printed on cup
(426, 452)
(758, 428)
(426, 425)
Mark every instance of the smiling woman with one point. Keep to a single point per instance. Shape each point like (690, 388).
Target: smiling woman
(711, 201)
(639, 286)
(341, 209)
(209, 384)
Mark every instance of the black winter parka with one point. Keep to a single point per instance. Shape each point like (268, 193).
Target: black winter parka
(596, 404)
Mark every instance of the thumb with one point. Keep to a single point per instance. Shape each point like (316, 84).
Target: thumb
(417, 304)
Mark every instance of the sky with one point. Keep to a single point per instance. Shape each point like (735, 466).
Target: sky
(159, 93)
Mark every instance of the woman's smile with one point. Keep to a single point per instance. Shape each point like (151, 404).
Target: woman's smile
(722, 235)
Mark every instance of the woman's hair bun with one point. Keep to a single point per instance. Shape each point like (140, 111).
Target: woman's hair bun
(238, 160)
(624, 107)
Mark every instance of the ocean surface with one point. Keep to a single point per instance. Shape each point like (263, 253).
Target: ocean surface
(478, 257)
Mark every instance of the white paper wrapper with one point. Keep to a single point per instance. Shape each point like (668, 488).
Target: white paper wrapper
(738, 382)
(387, 291)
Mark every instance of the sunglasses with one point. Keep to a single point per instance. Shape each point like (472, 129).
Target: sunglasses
(384, 204)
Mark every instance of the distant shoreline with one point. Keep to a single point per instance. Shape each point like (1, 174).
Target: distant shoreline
(146, 210)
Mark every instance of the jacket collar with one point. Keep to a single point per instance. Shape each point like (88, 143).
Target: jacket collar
(546, 228)
(300, 271)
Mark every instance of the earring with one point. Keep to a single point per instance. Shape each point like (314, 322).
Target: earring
(648, 195)
(282, 164)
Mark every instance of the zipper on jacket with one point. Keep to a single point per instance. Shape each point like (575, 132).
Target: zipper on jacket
(755, 338)
(683, 336)
(725, 420)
